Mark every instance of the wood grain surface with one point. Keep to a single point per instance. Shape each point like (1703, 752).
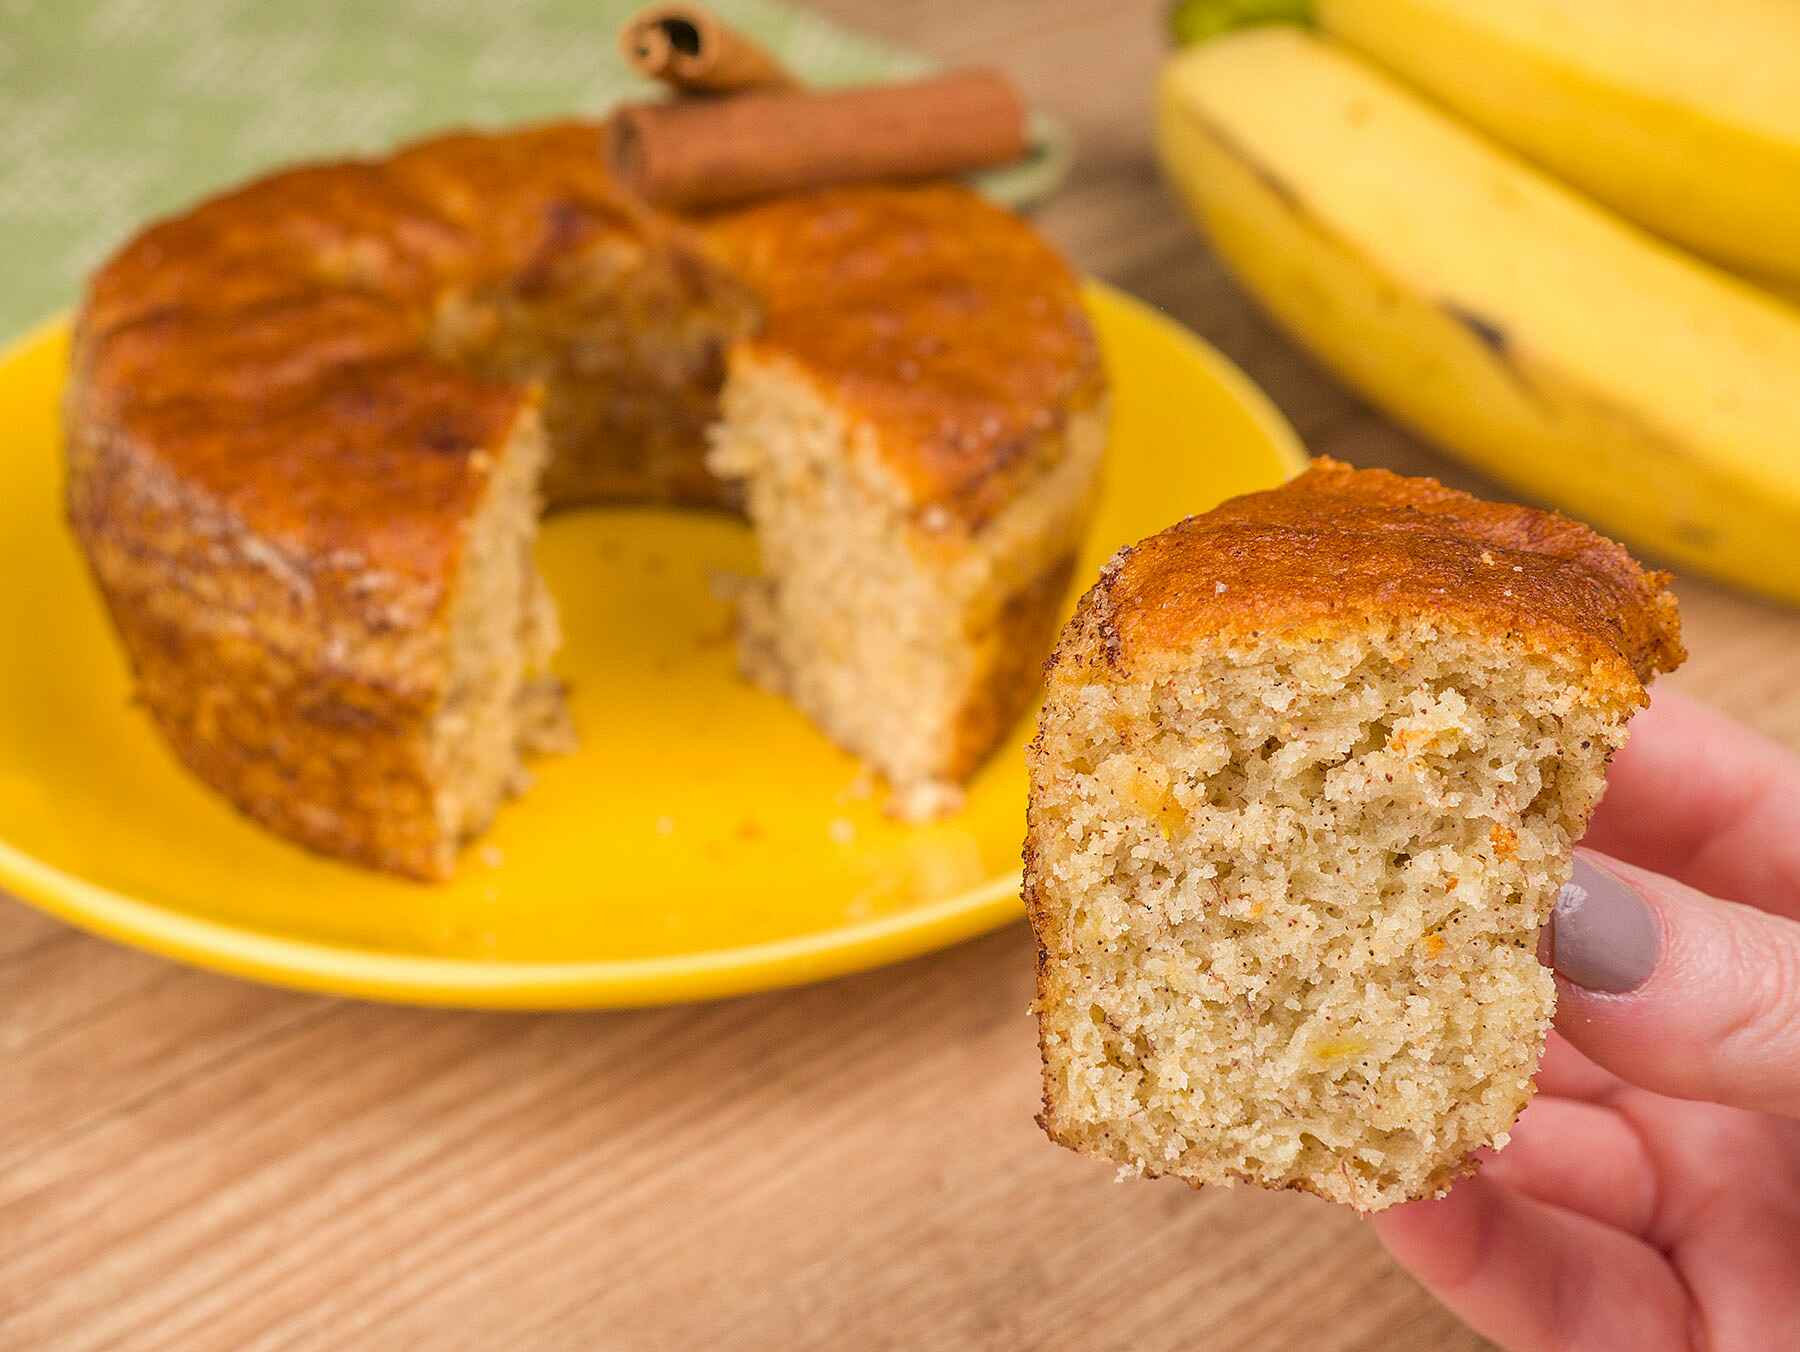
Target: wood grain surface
(191, 1162)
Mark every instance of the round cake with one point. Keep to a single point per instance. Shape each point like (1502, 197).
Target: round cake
(311, 423)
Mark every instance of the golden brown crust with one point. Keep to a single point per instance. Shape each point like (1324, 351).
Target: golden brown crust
(1338, 546)
(270, 351)
(945, 322)
(306, 301)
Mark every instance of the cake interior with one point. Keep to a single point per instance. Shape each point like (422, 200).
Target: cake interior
(1289, 895)
(499, 702)
(888, 626)
(629, 346)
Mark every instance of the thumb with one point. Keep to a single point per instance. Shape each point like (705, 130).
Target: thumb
(1676, 991)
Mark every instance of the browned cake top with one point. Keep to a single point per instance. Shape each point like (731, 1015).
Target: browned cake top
(270, 350)
(1337, 547)
(944, 321)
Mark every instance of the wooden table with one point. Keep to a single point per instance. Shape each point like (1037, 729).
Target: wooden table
(190, 1162)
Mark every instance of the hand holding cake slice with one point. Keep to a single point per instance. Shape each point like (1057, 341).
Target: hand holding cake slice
(1304, 791)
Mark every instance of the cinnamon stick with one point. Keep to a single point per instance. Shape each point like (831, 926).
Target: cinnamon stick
(695, 52)
(713, 152)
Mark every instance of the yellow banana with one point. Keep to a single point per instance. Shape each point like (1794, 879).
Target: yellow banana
(1682, 114)
(1534, 334)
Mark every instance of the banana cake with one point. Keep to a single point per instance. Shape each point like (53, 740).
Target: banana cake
(311, 424)
(1304, 789)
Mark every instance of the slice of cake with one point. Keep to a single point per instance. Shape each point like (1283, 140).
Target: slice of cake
(918, 429)
(1304, 790)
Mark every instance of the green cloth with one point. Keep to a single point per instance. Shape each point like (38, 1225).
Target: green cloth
(116, 111)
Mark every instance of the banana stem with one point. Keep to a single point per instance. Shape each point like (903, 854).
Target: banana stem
(1197, 20)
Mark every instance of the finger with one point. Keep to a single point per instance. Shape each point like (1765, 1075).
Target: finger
(1678, 992)
(1739, 1264)
(1534, 1277)
(1566, 1073)
(1581, 1157)
(1708, 802)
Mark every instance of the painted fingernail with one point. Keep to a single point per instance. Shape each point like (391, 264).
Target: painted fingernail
(1605, 936)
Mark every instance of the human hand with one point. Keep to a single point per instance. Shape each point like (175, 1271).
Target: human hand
(1650, 1197)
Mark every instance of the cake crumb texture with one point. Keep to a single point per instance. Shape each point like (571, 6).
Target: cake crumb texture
(1290, 844)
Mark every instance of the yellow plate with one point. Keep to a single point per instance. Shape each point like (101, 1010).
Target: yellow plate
(705, 841)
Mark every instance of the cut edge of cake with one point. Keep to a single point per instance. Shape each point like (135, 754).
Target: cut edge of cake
(909, 637)
(498, 703)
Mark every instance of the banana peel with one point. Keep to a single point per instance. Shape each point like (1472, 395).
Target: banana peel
(1475, 299)
(1681, 116)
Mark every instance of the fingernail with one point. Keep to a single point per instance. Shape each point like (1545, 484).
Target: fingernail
(1604, 934)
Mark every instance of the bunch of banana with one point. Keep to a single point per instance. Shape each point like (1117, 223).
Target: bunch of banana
(1495, 308)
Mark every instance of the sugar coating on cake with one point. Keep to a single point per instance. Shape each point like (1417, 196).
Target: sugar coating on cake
(1303, 793)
